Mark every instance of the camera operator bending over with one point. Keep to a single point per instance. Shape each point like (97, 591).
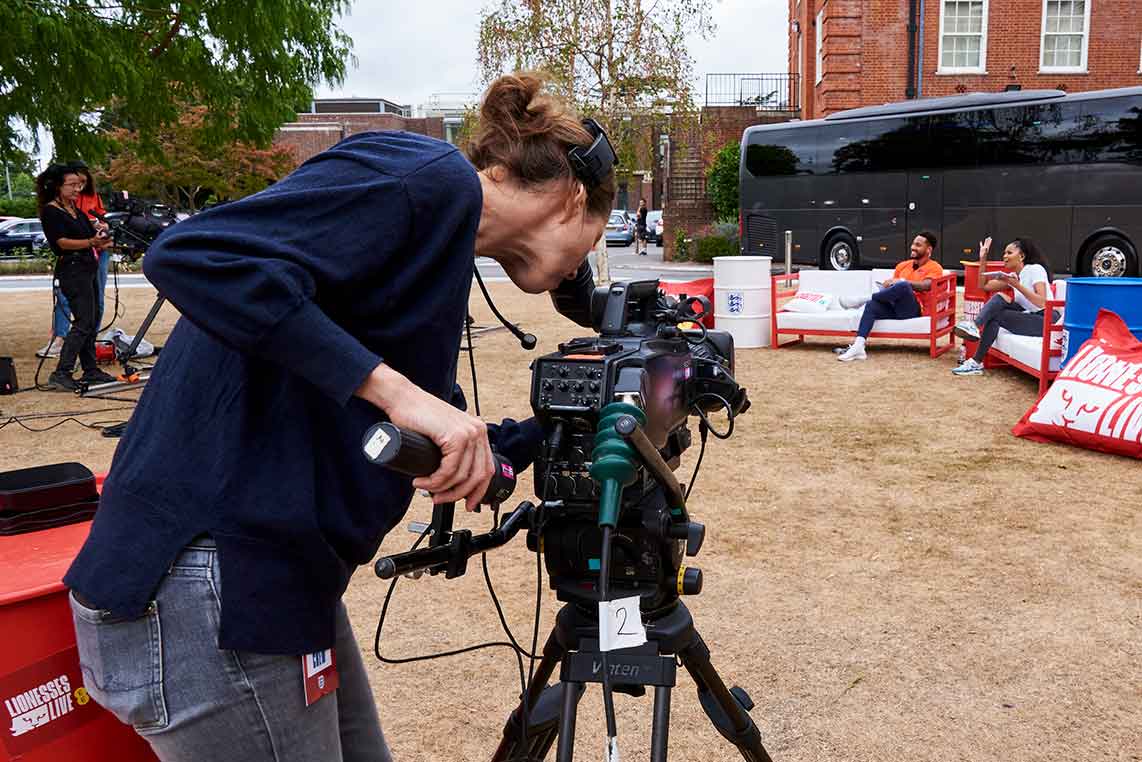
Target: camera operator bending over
(896, 299)
(239, 503)
(77, 245)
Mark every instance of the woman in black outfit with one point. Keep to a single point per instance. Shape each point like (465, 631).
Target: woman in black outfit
(76, 245)
(641, 227)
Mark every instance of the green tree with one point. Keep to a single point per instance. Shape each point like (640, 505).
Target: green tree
(63, 62)
(624, 62)
(190, 167)
(722, 180)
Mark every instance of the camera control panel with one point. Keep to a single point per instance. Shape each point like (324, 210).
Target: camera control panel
(570, 384)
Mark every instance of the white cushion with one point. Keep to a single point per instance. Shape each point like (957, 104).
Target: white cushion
(880, 274)
(920, 326)
(1025, 349)
(833, 320)
(810, 301)
(1060, 289)
(837, 283)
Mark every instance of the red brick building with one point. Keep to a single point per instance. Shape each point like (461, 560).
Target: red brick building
(861, 52)
(330, 120)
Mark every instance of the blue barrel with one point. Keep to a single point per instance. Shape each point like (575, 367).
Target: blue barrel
(1086, 296)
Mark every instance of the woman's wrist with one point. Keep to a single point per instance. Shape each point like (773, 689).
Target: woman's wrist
(384, 387)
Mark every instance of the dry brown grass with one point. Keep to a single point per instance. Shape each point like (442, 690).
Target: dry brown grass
(889, 573)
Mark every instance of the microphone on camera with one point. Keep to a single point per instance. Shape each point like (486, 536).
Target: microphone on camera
(526, 340)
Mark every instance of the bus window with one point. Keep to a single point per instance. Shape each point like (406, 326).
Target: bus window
(1113, 130)
(770, 158)
(1006, 136)
(894, 145)
(1053, 137)
(952, 141)
(842, 148)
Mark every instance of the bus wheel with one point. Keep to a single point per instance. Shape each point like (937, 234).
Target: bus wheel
(841, 253)
(1110, 256)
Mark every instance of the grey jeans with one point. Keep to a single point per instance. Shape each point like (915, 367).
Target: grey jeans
(164, 675)
(999, 313)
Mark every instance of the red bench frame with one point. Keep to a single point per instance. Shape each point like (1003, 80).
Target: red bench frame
(943, 288)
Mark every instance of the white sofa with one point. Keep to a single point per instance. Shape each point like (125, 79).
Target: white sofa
(936, 323)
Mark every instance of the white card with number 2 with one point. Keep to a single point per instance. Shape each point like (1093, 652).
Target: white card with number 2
(620, 624)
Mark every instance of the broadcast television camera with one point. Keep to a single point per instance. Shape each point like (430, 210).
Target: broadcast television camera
(612, 521)
(135, 224)
(640, 357)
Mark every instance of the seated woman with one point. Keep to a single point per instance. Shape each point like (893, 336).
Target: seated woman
(1020, 312)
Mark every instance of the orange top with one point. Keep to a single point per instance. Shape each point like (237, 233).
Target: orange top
(88, 202)
(930, 269)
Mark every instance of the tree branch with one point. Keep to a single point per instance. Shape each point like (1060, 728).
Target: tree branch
(161, 48)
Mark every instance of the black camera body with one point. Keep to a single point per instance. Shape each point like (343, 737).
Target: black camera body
(640, 356)
(134, 225)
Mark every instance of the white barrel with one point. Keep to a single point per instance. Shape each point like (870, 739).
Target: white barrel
(742, 299)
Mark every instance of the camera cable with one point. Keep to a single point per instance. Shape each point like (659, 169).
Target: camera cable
(71, 416)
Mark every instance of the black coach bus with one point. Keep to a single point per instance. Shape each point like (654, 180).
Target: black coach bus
(857, 186)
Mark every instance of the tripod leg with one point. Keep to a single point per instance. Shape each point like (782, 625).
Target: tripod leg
(509, 748)
(723, 708)
(150, 318)
(660, 731)
(572, 692)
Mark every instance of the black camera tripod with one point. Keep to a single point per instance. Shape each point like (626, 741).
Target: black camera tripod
(573, 644)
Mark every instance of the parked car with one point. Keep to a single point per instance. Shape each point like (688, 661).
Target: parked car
(619, 231)
(21, 237)
(654, 226)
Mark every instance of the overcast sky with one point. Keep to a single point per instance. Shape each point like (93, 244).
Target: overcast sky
(406, 51)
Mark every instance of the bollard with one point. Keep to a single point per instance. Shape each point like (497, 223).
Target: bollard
(788, 257)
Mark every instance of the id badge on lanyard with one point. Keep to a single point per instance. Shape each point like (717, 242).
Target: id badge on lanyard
(319, 674)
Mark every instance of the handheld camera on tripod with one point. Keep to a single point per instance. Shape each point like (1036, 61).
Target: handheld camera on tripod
(134, 225)
(612, 520)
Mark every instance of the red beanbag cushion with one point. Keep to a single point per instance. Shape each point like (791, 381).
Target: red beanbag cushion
(1096, 401)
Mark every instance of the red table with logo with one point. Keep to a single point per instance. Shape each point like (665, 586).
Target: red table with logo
(47, 715)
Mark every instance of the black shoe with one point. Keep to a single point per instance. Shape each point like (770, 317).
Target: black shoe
(97, 376)
(61, 382)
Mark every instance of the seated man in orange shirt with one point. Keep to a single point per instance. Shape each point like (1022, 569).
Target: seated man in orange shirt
(896, 300)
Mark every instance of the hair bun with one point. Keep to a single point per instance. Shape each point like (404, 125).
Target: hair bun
(528, 131)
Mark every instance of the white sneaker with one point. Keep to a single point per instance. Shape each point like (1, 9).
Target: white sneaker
(841, 350)
(967, 329)
(968, 367)
(51, 349)
(852, 353)
(852, 302)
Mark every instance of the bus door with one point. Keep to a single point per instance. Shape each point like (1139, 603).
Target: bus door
(884, 219)
(925, 206)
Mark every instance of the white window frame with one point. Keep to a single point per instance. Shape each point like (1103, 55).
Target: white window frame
(982, 68)
(1082, 67)
(819, 74)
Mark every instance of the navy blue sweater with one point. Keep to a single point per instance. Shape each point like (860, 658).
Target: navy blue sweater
(248, 429)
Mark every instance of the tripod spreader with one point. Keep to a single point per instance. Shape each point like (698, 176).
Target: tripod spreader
(452, 555)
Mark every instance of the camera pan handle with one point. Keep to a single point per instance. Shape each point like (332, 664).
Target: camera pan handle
(405, 452)
(628, 428)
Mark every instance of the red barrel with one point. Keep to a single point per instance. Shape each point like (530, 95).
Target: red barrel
(48, 716)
